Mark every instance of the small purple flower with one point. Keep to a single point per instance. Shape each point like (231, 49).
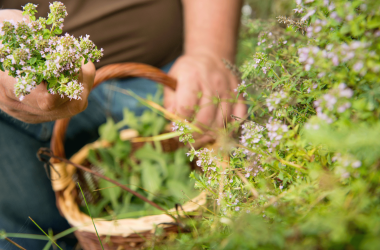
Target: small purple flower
(356, 164)
(358, 66)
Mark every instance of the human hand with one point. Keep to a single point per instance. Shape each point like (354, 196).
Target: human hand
(203, 73)
(40, 106)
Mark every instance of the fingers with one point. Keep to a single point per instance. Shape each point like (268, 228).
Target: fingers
(223, 112)
(206, 114)
(209, 77)
(38, 99)
(40, 106)
(169, 99)
(240, 109)
(186, 97)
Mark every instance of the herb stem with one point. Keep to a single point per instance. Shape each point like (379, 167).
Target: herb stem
(45, 233)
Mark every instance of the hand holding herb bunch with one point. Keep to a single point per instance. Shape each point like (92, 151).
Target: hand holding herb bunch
(33, 54)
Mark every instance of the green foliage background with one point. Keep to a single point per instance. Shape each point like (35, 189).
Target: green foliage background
(319, 188)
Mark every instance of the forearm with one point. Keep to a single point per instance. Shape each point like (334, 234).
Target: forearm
(211, 26)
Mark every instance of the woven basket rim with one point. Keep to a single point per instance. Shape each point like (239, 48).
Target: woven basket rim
(62, 182)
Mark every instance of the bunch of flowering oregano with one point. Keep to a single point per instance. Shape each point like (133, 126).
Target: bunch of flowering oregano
(33, 53)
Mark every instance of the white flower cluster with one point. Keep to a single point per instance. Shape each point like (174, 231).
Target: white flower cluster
(185, 130)
(346, 165)
(267, 38)
(336, 100)
(276, 131)
(206, 160)
(307, 55)
(351, 54)
(261, 62)
(242, 87)
(254, 167)
(33, 54)
(251, 136)
(315, 28)
(72, 89)
(274, 100)
(354, 54)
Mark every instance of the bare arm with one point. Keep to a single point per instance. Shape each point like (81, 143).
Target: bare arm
(211, 28)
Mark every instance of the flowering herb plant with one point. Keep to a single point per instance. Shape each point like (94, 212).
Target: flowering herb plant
(304, 173)
(33, 53)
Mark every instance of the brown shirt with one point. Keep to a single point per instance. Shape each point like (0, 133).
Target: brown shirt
(147, 31)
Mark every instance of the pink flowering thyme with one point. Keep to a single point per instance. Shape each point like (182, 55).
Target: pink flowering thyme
(32, 53)
(185, 130)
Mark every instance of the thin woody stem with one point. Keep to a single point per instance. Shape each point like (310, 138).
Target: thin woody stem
(47, 152)
(14, 243)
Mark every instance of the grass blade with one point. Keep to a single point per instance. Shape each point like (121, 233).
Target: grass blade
(45, 233)
(62, 234)
(160, 137)
(22, 236)
(91, 216)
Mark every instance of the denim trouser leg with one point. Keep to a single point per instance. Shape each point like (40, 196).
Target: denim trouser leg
(25, 189)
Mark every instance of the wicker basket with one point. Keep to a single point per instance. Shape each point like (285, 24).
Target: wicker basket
(116, 234)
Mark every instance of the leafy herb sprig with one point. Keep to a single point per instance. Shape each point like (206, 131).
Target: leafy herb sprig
(33, 53)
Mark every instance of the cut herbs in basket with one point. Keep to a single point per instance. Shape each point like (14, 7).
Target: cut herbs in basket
(162, 177)
(33, 53)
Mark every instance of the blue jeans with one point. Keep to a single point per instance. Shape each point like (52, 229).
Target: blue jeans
(25, 189)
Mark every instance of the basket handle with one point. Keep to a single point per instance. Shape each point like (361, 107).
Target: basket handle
(117, 70)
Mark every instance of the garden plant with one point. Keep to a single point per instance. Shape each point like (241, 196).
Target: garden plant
(303, 171)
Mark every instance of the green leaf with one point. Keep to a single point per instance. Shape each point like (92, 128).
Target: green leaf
(108, 131)
(134, 181)
(151, 178)
(374, 22)
(180, 169)
(182, 190)
(121, 149)
(130, 119)
(32, 60)
(63, 79)
(147, 152)
(49, 21)
(126, 202)
(46, 34)
(40, 78)
(178, 189)
(57, 31)
(107, 161)
(52, 81)
(97, 209)
(109, 191)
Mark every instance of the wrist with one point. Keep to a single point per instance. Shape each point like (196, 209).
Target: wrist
(212, 27)
(210, 53)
